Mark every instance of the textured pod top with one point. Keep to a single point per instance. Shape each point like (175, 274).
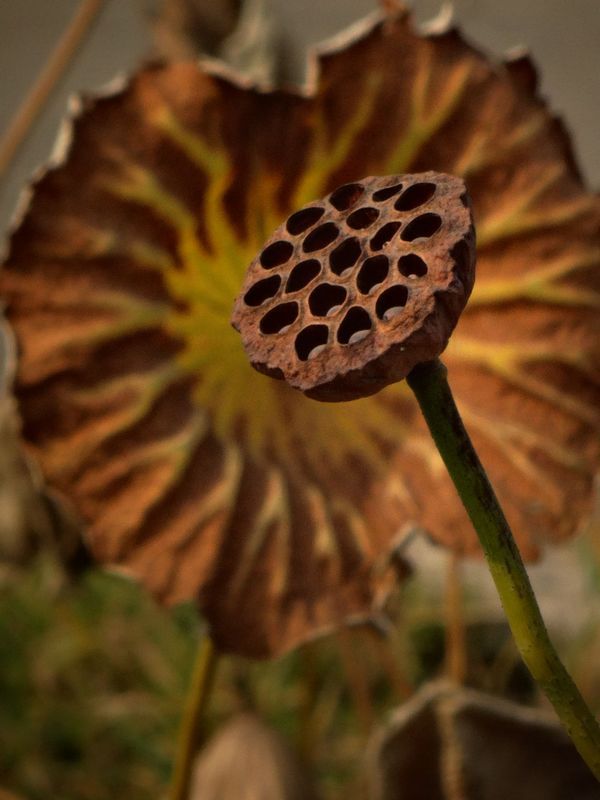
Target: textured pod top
(353, 291)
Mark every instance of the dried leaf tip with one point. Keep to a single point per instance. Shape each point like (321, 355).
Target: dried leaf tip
(354, 290)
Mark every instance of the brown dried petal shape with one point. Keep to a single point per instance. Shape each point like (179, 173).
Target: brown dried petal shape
(389, 264)
(247, 760)
(207, 480)
(450, 742)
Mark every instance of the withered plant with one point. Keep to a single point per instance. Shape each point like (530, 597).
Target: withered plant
(391, 321)
(281, 517)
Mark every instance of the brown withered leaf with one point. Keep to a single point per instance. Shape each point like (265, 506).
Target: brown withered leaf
(448, 743)
(247, 760)
(205, 479)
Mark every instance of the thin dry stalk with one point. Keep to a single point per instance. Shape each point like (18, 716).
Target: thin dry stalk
(456, 647)
(358, 680)
(50, 74)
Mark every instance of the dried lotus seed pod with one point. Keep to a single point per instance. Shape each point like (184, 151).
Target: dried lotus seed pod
(353, 291)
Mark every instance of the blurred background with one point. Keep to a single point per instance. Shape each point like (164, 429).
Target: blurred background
(562, 36)
(93, 675)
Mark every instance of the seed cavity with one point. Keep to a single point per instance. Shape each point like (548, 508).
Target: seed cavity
(412, 266)
(384, 194)
(372, 273)
(311, 341)
(276, 254)
(320, 237)
(421, 227)
(302, 274)
(279, 319)
(346, 196)
(415, 196)
(326, 299)
(355, 326)
(384, 235)
(304, 219)
(262, 290)
(362, 217)
(345, 256)
(391, 302)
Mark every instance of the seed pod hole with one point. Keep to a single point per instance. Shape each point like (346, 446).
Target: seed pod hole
(362, 293)
(311, 341)
(302, 274)
(320, 237)
(384, 194)
(326, 299)
(391, 302)
(423, 226)
(384, 235)
(412, 266)
(415, 196)
(362, 217)
(372, 273)
(262, 290)
(304, 219)
(346, 196)
(355, 326)
(276, 254)
(345, 256)
(279, 319)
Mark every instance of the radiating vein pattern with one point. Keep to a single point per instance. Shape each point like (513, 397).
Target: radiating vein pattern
(208, 480)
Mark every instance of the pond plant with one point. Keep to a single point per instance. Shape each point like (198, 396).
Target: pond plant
(280, 516)
(383, 314)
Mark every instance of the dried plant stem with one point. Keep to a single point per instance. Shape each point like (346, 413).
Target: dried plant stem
(456, 640)
(382, 647)
(309, 691)
(50, 74)
(358, 681)
(191, 732)
(429, 383)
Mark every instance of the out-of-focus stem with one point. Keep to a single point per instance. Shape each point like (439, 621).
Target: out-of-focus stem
(358, 681)
(456, 644)
(50, 74)
(191, 731)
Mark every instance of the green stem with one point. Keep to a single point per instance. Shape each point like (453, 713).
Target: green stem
(429, 383)
(191, 732)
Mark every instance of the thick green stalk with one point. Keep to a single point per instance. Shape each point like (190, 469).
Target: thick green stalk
(429, 383)
(191, 733)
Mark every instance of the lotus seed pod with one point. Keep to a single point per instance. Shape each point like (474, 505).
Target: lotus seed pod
(353, 291)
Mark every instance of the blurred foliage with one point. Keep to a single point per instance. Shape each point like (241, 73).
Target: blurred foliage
(93, 676)
(91, 680)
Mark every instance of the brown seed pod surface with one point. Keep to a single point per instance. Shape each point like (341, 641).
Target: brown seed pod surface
(353, 291)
